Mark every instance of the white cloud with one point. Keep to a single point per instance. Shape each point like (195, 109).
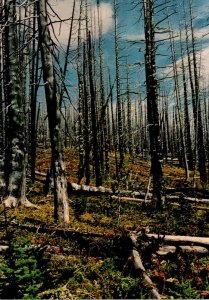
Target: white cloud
(64, 8)
(204, 56)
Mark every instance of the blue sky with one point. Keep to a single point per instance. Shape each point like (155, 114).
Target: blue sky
(131, 28)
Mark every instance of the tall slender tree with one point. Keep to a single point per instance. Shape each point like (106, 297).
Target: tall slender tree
(152, 102)
(194, 81)
(96, 154)
(61, 206)
(118, 92)
(15, 153)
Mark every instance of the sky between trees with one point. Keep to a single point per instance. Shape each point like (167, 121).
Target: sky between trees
(131, 30)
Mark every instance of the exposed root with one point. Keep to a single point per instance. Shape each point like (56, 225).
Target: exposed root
(25, 202)
(12, 202)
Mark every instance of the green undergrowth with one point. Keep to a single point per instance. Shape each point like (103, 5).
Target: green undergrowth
(48, 265)
(94, 278)
(181, 275)
(77, 267)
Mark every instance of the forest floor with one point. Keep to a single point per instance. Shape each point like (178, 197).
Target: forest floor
(90, 258)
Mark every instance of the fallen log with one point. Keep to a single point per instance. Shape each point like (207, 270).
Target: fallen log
(86, 188)
(66, 232)
(204, 241)
(188, 190)
(129, 199)
(188, 199)
(40, 174)
(165, 250)
(138, 265)
(74, 187)
(141, 201)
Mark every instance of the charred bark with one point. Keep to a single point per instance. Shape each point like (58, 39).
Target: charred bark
(61, 207)
(152, 103)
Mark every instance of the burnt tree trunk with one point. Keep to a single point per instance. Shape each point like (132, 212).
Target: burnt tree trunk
(15, 151)
(61, 207)
(119, 102)
(96, 154)
(152, 103)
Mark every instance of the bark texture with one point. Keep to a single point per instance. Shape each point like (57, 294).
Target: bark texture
(152, 103)
(61, 207)
(15, 151)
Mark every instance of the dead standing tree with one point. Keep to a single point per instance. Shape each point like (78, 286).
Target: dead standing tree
(186, 110)
(197, 107)
(178, 101)
(2, 99)
(195, 95)
(152, 102)
(103, 117)
(95, 143)
(15, 158)
(61, 207)
(119, 102)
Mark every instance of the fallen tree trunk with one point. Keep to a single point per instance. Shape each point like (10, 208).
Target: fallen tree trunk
(133, 195)
(74, 187)
(66, 232)
(138, 265)
(204, 241)
(141, 201)
(129, 199)
(187, 199)
(188, 190)
(165, 250)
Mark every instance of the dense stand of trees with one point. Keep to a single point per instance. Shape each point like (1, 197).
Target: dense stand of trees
(108, 114)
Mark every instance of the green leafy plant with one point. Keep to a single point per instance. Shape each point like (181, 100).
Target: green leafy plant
(20, 267)
(21, 272)
(184, 290)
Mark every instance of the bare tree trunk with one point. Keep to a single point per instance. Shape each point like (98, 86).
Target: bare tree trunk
(113, 131)
(119, 104)
(152, 104)
(80, 102)
(97, 162)
(33, 96)
(103, 117)
(186, 113)
(2, 100)
(197, 108)
(15, 152)
(86, 118)
(61, 206)
(129, 122)
(178, 105)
